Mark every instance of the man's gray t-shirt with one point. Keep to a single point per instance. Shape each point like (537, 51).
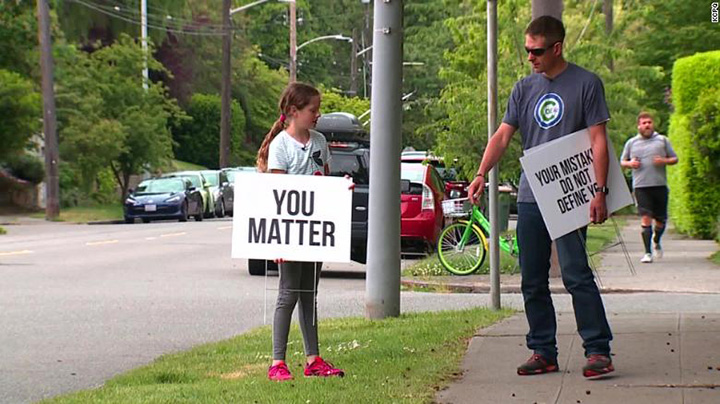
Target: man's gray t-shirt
(645, 150)
(293, 157)
(545, 109)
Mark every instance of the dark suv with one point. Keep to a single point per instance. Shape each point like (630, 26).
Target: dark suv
(349, 146)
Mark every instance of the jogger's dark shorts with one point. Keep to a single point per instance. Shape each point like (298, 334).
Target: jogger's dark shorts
(652, 201)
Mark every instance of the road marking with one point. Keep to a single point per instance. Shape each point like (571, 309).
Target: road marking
(5, 254)
(102, 242)
(224, 227)
(150, 238)
(173, 234)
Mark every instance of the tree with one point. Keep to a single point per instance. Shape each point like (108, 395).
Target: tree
(108, 119)
(197, 140)
(20, 110)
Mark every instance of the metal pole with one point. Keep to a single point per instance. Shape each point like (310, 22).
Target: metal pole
(143, 36)
(52, 189)
(353, 65)
(225, 88)
(382, 288)
(491, 127)
(293, 42)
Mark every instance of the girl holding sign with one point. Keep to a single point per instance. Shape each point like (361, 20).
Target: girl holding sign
(293, 147)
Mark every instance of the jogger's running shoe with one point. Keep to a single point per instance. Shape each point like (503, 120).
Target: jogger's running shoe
(597, 365)
(537, 364)
(646, 259)
(279, 372)
(658, 251)
(321, 368)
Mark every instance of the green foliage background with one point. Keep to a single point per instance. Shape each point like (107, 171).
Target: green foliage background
(695, 134)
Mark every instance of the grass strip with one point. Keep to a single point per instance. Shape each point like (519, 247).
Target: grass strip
(84, 214)
(405, 359)
(2, 230)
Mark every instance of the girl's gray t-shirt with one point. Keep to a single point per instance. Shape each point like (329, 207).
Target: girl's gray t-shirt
(293, 157)
(544, 109)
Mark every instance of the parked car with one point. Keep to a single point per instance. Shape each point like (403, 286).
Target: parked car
(199, 182)
(454, 186)
(163, 198)
(349, 146)
(223, 193)
(420, 206)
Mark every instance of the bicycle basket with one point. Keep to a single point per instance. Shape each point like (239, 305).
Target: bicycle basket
(456, 207)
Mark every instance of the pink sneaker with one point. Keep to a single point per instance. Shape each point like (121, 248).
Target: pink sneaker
(321, 368)
(279, 372)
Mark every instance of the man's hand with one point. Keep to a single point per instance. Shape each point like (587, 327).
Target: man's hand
(598, 208)
(659, 161)
(476, 189)
(634, 164)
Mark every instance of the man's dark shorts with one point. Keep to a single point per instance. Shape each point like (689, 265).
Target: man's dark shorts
(652, 201)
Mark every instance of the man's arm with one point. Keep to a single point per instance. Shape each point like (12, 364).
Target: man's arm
(598, 143)
(496, 148)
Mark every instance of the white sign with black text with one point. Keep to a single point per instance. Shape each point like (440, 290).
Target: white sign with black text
(293, 217)
(562, 177)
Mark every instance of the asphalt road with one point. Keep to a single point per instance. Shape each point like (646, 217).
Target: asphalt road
(82, 303)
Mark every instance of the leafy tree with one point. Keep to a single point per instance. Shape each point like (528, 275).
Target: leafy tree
(198, 140)
(333, 101)
(463, 133)
(20, 110)
(18, 37)
(108, 119)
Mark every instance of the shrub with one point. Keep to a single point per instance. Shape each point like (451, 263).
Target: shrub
(26, 167)
(695, 135)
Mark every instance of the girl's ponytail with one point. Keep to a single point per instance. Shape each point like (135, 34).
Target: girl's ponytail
(296, 95)
(264, 150)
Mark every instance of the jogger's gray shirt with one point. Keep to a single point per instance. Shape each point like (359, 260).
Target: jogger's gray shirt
(645, 150)
(545, 109)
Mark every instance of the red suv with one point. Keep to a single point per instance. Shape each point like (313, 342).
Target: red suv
(421, 205)
(454, 188)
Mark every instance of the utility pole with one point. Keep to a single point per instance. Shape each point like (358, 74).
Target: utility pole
(144, 41)
(293, 42)
(52, 184)
(225, 88)
(492, 125)
(552, 8)
(608, 11)
(382, 288)
(353, 65)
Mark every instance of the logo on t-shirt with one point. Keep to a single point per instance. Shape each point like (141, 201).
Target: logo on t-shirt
(549, 110)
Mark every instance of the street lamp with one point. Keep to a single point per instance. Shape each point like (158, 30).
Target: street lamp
(293, 60)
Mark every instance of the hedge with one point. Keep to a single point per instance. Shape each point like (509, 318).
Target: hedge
(695, 132)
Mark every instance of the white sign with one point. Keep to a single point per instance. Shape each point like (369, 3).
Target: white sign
(293, 217)
(562, 177)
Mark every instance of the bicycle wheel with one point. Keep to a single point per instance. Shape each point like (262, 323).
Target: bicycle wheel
(465, 260)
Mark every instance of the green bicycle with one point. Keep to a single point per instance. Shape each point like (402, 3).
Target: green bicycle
(462, 245)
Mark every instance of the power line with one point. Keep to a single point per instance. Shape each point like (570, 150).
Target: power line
(100, 9)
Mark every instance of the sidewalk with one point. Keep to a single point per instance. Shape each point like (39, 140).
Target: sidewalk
(659, 358)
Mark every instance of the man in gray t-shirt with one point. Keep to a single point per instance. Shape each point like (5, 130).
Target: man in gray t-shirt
(647, 154)
(558, 99)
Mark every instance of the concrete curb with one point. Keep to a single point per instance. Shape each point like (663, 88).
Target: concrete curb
(118, 221)
(480, 287)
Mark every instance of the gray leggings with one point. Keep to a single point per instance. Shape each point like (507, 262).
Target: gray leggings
(294, 277)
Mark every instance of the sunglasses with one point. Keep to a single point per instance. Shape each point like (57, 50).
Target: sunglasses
(539, 51)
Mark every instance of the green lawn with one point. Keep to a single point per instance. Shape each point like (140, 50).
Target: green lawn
(177, 165)
(84, 214)
(405, 359)
(2, 231)
(599, 236)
